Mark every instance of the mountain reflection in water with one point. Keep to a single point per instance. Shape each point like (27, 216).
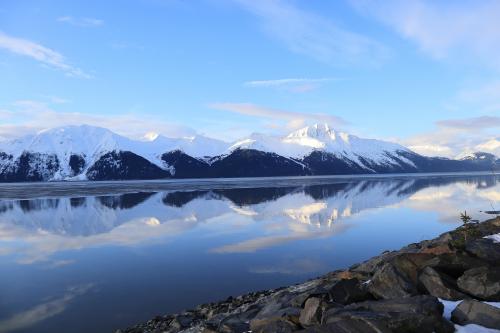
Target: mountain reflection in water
(119, 259)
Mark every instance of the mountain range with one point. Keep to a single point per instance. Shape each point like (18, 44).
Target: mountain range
(94, 153)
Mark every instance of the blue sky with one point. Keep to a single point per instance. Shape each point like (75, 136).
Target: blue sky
(422, 73)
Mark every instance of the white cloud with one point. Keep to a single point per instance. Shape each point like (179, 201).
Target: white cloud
(30, 117)
(429, 149)
(475, 123)
(492, 145)
(42, 311)
(293, 119)
(40, 53)
(458, 137)
(313, 35)
(448, 200)
(84, 22)
(443, 29)
(5, 114)
(293, 84)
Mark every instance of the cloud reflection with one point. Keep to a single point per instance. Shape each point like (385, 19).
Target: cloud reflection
(43, 311)
(36, 230)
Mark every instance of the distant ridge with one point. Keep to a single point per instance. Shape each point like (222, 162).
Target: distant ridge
(94, 153)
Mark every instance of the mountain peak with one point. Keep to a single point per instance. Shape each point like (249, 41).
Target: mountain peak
(322, 130)
(480, 156)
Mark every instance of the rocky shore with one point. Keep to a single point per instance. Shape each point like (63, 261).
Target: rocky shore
(397, 291)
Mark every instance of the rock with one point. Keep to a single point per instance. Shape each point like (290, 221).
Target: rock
(321, 290)
(273, 325)
(372, 265)
(411, 263)
(359, 323)
(277, 305)
(437, 249)
(454, 264)
(489, 227)
(485, 249)
(389, 282)
(417, 304)
(481, 282)
(233, 324)
(399, 277)
(312, 312)
(207, 330)
(439, 285)
(474, 312)
(409, 314)
(181, 321)
(444, 238)
(349, 291)
(343, 275)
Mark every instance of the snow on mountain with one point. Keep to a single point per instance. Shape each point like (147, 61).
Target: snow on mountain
(87, 152)
(83, 140)
(195, 146)
(491, 146)
(86, 141)
(92, 142)
(321, 137)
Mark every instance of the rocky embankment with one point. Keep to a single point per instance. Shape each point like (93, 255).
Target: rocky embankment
(397, 291)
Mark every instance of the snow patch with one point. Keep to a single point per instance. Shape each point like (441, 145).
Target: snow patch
(92, 143)
(494, 237)
(449, 306)
(321, 137)
(473, 328)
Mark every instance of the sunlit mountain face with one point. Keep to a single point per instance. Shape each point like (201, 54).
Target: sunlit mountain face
(95, 153)
(100, 262)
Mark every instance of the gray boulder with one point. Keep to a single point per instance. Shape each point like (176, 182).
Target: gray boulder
(354, 322)
(348, 291)
(484, 249)
(312, 312)
(474, 312)
(454, 264)
(410, 314)
(481, 282)
(439, 284)
(389, 282)
(273, 325)
(373, 264)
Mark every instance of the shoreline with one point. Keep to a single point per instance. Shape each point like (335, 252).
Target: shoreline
(17, 190)
(397, 291)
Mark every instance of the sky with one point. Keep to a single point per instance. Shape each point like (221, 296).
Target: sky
(421, 73)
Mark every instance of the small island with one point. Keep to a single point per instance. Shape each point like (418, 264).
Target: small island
(440, 285)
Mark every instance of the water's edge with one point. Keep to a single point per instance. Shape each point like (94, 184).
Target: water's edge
(90, 188)
(397, 289)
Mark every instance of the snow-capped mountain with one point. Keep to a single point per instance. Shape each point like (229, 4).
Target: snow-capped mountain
(72, 151)
(321, 138)
(94, 153)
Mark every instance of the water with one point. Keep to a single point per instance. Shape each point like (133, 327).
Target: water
(83, 258)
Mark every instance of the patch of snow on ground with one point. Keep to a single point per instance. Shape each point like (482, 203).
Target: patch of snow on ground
(473, 328)
(494, 237)
(449, 306)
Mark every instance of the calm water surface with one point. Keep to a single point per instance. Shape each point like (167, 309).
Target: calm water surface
(95, 262)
